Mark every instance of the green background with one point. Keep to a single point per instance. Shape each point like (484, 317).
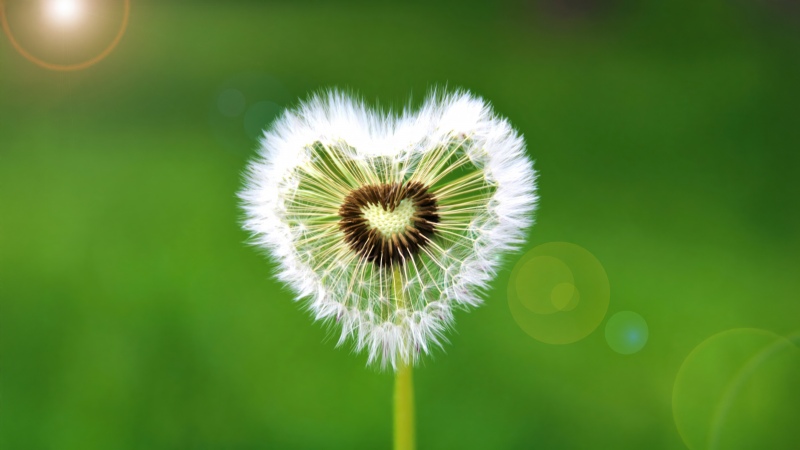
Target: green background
(133, 315)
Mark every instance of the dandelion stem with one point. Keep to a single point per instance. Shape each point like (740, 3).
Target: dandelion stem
(403, 388)
(403, 410)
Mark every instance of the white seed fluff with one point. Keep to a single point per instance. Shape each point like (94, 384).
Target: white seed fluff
(472, 162)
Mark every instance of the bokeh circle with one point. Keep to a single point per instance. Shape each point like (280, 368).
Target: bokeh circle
(231, 102)
(627, 332)
(558, 293)
(243, 106)
(258, 117)
(65, 67)
(740, 389)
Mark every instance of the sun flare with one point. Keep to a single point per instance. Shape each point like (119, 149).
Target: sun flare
(64, 12)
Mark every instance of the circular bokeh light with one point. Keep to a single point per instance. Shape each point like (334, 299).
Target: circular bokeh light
(243, 107)
(558, 293)
(626, 332)
(231, 102)
(258, 117)
(739, 390)
(565, 296)
(539, 280)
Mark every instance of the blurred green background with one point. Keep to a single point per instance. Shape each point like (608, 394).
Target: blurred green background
(133, 315)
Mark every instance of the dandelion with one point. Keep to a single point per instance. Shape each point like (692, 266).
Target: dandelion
(387, 224)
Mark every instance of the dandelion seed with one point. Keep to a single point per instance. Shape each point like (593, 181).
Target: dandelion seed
(385, 225)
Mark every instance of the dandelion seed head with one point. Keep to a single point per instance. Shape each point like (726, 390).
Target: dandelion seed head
(385, 224)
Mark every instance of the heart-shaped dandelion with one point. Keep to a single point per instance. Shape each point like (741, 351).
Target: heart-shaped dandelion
(386, 224)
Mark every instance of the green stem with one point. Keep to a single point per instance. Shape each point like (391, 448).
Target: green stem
(404, 409)
(403, 389)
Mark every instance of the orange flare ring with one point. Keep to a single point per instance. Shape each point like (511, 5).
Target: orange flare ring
(65, 67)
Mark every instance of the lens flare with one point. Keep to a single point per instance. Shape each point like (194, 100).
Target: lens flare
(558, 293)
(738, 390)
(64, 12)
(626, 332)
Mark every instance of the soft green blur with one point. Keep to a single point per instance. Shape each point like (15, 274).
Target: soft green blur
(134, 316)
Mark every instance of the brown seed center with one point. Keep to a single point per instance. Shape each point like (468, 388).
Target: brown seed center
(387, 223)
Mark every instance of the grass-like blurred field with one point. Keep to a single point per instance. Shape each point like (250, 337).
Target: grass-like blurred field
(132, 314)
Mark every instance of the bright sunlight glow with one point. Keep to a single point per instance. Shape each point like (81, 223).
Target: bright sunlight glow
(64, 11)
